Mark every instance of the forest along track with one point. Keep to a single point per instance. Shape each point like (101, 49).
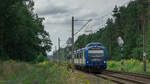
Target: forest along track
(125, 77)
(119, 77)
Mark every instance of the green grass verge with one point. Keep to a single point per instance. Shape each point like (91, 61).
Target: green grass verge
(42, 73)
(131, 65)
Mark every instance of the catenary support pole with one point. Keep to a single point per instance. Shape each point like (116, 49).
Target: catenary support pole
(59, 50)
(72, 44)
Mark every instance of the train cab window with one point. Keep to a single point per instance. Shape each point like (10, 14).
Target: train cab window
(99, 53)
(96, 55)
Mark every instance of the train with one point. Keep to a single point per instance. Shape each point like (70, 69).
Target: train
(91, 58)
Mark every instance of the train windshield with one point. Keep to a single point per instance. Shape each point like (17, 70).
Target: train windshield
(96, 55)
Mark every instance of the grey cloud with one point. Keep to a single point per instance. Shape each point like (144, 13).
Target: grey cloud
(58, 16)
(56, 11)
(53, 10)
(90, 16)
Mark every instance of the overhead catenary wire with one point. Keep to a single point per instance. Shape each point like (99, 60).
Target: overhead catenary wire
(94, 25)
(83, 26)
(105, 16)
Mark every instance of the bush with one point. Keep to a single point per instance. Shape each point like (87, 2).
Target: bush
(42, 73)
(40, 58)
(131, 65)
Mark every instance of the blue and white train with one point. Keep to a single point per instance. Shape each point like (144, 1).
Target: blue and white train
(92, 58)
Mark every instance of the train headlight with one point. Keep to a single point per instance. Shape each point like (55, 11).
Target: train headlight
(87, 62)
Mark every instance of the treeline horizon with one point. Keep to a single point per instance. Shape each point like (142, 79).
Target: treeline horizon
(127, 24)
(22, 34)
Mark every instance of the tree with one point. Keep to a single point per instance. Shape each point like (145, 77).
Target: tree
(22, 34)
(125, 24)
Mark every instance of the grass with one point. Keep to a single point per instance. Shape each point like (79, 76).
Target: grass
(48, 73)
(131, 65)
(42, 73)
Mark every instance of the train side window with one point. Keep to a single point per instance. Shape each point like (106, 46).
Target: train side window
(81, 55)
(75, 55)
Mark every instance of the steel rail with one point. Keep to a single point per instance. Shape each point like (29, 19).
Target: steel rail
(126, 79)
(129, 73)
(117, 78)
(106, 78)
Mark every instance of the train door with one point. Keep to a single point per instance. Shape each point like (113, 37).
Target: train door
(80, 57)
(83, 56)
(74, 58)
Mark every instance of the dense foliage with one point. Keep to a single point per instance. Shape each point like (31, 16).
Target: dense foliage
(63, 54)
(22, 35)
(126, 23)
(131, 65)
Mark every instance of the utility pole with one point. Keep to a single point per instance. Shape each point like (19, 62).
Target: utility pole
(144, 47)
(143, 22)
(56, 54)
(110, 44)
(59, 43)
(59, 49)
(73, 38)
(72, 44)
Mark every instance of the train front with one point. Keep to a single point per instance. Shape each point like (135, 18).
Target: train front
(96, 57)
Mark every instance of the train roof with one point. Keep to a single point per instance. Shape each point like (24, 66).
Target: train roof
(88, 45)
(78, 50)
(94, 44)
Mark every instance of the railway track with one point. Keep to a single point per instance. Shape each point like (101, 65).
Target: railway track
(119, 77)
(125, 77)
(129, 73)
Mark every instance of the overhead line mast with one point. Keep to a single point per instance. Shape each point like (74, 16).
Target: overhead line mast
(73, 38)
(59, 49)
(83, 25)
(144, 21)
(143, 26)
(72, 44)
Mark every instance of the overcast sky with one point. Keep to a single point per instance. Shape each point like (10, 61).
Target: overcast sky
(58, 14)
